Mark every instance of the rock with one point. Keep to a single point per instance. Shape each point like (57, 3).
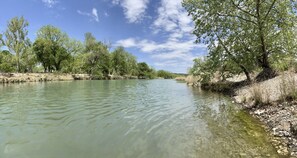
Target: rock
(293, 129)
(259, 112)
(238, 99)
(190, 84)
(286, 126)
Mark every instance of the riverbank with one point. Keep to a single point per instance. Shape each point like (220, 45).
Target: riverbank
(45, 77)
(273, 102)
(36, 77)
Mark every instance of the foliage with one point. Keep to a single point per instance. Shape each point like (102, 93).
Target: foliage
(50, 48)
(97, 58)
(55, 52)
(16, 38)
(29, 60)
(75, 62)
(144, 71)
(165, 74)
(1, 41)
(203, 68)
(245, 34)
(7, 61)
(123, 62)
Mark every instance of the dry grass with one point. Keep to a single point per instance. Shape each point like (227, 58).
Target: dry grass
(180, 78)
(288, 87)
(282, 87)
(192, 79)
(260, 94)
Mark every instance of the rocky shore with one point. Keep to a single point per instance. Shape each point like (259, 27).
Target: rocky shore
(271, 102)
(33, 77)
(280, 119)
(44, 77)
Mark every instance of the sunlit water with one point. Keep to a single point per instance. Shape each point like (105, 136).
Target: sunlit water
(124, 119)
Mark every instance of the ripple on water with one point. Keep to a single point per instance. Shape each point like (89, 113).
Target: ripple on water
(139, 118)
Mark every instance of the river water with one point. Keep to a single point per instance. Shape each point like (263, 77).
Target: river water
(124, 119)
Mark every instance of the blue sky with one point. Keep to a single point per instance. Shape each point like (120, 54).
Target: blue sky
(156, 31)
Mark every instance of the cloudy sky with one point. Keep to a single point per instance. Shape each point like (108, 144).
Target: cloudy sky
(156, 31)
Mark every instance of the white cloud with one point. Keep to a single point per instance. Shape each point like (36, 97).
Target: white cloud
(129, 42)
(50, 3)
(177, 51)
(94, 14)
(166, 50)
(134, 10)
(173, 18)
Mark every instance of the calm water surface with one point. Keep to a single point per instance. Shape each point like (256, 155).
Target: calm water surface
(124, 119)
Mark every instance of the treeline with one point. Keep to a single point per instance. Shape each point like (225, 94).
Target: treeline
(244, 37)
(54, 51)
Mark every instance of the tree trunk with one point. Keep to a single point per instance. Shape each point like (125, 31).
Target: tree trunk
(246, 72)
(267, 71)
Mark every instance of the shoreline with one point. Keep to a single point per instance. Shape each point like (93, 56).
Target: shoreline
(8, 78)
(267, 102)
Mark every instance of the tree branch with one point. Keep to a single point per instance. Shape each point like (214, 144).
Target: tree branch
(268, 12)
(239, 17)
(244, 11)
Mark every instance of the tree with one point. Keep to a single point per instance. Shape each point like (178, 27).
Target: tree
(244, 29)
(119, 61)
(144, 71)
(75, 63)
(165, 74)
(16, 37)
(29, 60)
(7, 62)
(132, 68)
(42, 51)
(97, 61)
(50, 48)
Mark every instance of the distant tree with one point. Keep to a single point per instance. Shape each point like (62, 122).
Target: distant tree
(165, 74)
(90, 42)
(97, 58)
(29, 60)
(132, 68)
(7, 62)
(75, 63)
(16, 38)
(144, 71)
(42, 50)
(119, 61)
(50, 48)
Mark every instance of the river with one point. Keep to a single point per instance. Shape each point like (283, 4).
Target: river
(124, 119)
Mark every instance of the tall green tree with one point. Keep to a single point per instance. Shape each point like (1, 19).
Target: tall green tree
(29, 60)
(244, 27)
(132, 67)
(50, 48)
(16, 38)
(75, 48)
(97, 58)
(119, 61)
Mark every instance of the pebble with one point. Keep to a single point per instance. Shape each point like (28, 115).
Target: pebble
(282, 124)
